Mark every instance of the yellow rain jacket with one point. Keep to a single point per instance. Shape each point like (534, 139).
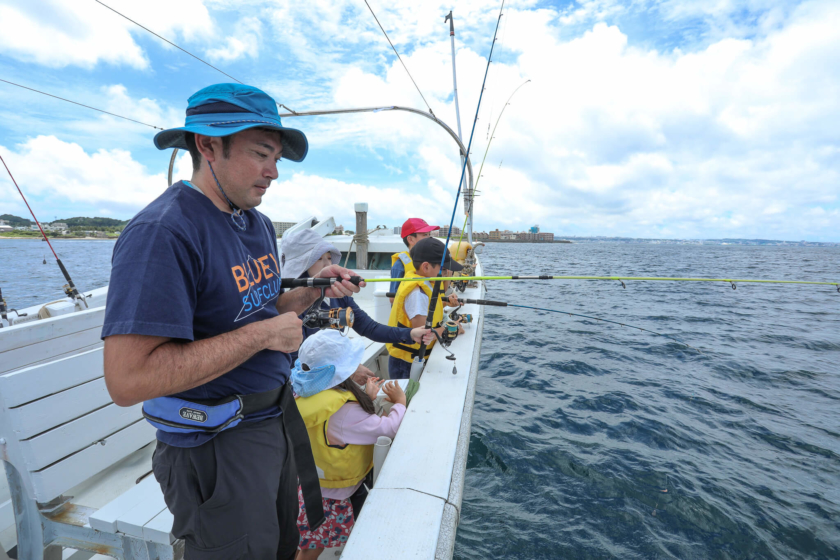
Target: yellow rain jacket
(408, 264)
(399, 318)
(338, 466)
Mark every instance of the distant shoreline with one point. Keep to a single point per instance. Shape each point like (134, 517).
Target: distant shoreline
(521, 241)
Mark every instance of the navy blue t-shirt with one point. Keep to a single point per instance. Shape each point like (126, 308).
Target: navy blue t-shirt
(181, 269)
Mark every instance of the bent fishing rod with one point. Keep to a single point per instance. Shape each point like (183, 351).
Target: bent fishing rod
(70, 288)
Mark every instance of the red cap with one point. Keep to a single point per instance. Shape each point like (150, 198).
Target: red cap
(416, 225)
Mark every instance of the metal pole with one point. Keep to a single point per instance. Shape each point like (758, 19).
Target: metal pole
(468, 199)
(429, 116)
(361, 235)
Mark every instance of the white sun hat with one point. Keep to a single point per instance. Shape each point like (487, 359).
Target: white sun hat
(301, 250)
(325, 360)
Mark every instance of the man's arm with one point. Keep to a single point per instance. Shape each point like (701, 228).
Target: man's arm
(140, 367)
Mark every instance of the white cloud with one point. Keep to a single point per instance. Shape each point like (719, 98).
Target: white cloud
(51, 168)
(734, 138)
(58, 33)
(244, 42)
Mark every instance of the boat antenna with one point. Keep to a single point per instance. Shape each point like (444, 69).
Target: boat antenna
(70, 288)
(400, 59)
(419, 361)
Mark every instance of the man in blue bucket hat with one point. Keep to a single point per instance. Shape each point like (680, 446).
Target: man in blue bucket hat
(198, 328)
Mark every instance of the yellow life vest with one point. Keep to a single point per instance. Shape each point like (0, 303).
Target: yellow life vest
(399, 318)
(338, 466)
(406, 260)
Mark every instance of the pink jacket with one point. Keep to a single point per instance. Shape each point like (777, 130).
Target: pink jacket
(352, 425)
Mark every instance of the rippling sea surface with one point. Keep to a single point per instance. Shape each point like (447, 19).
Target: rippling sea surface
(596, 441)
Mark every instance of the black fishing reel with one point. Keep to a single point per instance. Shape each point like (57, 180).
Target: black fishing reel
(338, 318)
(464, 317)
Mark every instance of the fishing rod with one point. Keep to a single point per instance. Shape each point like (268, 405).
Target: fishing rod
(486, 302)
(419, 361)
(481, 167)
(732, 281)
(69, 288)
(318, 282)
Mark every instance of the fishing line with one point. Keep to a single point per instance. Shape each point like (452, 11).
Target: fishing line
(181, 49)
(80, 104)
(168, 41)
(570, 314)
(398, 57)
(490, 303)
(70, 288)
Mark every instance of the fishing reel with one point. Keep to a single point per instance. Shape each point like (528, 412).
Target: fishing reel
(338, 318)
(465, 318)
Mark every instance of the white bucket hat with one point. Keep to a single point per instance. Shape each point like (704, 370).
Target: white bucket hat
(325, 360)
(301, 250)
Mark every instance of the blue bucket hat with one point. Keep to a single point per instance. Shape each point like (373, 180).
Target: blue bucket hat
(225, 109)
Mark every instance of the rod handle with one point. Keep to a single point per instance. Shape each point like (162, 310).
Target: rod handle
(288, 283)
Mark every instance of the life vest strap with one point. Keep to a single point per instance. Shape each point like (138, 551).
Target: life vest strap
(413, 351)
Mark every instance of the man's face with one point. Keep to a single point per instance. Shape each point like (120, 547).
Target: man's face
(250, 167)
(415, 237)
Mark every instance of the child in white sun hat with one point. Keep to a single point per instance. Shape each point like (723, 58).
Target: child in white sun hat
(343, 427)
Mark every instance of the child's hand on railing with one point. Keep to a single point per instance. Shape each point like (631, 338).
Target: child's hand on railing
(372, 386)
(394, 393)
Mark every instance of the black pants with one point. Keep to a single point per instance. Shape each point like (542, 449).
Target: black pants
(235, 496)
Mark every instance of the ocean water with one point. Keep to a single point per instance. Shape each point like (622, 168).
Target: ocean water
(596, 441)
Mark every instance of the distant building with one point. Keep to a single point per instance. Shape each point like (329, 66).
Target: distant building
(339, 230)
(444, 231)
(481, 236)
(281, 227)
(545, 236)
(58, 226)
(34, 228)
(534, 229)
(100, 234)
(4, 227)
(4, 223)
(397, 230)
(495, 235)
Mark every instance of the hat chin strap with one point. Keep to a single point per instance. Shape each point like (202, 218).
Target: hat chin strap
(236, 212)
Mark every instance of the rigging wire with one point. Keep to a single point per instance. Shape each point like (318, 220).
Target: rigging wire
(398, 56)
(183, 49)
(168, 41)
(80, 104)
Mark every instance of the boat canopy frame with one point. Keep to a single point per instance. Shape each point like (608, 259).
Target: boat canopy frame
(468, 196)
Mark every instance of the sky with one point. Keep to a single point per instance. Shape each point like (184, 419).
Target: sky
(642, 118)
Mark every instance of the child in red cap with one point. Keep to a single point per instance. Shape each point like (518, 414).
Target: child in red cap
(413, 230)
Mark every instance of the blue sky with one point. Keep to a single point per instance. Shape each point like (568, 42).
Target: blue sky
(645, 118)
